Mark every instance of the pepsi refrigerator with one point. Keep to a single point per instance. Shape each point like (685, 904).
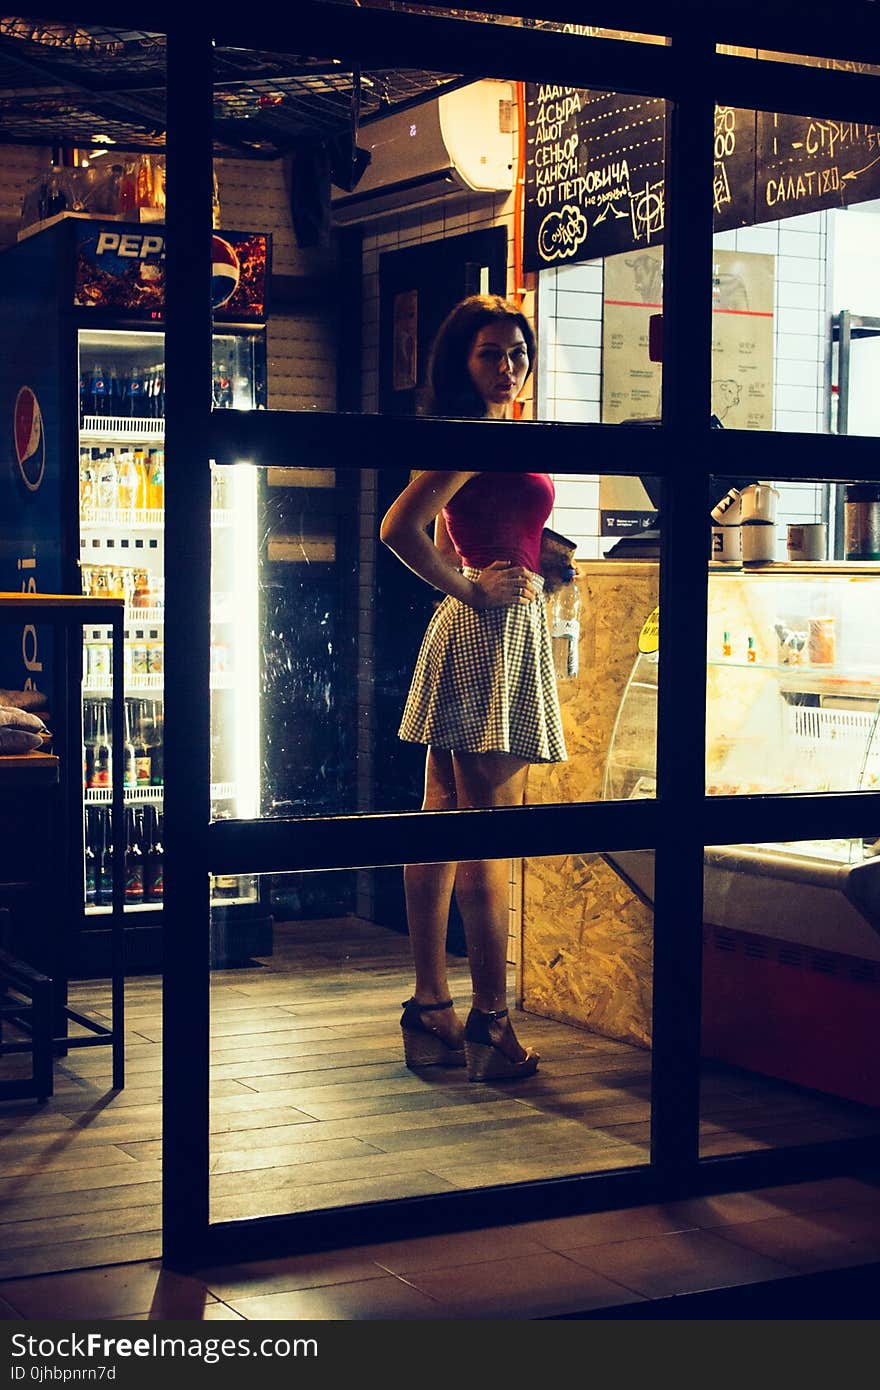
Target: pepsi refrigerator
(82, 378)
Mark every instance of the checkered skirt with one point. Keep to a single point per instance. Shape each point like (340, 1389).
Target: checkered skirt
(484, 682)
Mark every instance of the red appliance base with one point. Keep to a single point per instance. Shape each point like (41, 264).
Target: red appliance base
(791, 1012)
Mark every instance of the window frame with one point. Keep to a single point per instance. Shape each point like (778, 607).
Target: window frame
(682, 820)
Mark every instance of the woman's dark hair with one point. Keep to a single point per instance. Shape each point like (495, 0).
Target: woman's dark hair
(450, 389)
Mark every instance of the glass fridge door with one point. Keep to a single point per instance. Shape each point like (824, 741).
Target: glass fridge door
(121, 516)
(121, 536)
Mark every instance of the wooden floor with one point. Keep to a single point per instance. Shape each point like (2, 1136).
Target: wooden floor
(312, 1107)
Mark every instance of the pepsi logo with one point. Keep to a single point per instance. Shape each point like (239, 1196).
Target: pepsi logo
(30, 439)
(225, 271)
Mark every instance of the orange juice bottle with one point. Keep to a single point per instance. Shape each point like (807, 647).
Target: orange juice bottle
(156, 480)
(143, 473)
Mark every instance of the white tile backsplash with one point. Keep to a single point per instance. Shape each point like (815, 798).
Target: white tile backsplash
(578, 359)
(579, 332)
(796, 270)
(763, 240)
(574, 492)
(791, 295)
(800, 243)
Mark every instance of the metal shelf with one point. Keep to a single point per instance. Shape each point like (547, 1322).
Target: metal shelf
(119, 429)
(122, 519)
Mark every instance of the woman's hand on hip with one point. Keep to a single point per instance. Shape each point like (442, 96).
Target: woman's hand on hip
(502, 583)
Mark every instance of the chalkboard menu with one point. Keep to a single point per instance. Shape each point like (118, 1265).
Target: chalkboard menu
(594, 176)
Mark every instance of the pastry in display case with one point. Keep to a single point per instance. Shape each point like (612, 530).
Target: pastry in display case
(793, 694)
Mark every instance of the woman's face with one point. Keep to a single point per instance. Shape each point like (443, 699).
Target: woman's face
(498, 363)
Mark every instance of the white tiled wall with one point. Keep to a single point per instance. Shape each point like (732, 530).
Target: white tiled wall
(570, 378)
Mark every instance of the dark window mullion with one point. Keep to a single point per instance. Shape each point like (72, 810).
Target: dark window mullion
(681, 703)
(186, 913)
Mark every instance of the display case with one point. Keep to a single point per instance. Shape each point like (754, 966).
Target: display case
(121, 525)
(793, 694)
(83, 377)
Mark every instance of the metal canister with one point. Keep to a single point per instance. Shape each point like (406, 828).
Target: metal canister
(861, 510)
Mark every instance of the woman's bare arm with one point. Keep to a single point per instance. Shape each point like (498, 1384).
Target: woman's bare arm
(404, 530)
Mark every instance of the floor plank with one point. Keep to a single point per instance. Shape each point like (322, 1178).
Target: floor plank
(312, 1107)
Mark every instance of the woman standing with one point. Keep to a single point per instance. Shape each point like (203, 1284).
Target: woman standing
(483, 697)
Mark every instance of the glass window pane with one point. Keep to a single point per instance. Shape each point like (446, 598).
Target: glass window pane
(793, 687)
(313, 1103)
(791, 989)
(795, 290)
(320, 701)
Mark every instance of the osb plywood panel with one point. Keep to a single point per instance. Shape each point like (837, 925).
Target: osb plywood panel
(586, 940)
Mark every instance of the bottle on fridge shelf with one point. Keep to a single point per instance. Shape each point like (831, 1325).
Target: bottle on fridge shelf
(91, 858)
(134, 393)
(97, 391)
(158, 401)
(104, 876)
(107, 489)
(129, 767)
(134, 859)
(142, 758)
(143, 468)
(102, 775)
(141, 596)
(89, 734)
(154, 855)
(86, 480)
(564, 618)
(156, 480)
(128, 481)
(156, 735)
(114, 393)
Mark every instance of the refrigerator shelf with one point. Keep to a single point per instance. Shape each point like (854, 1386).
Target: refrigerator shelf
(222, 517)
(144, 617)
(119, 429)
(132, 796)
(135, 618)
(100, 910)
(122, 519)
(223, 791)
(102, 685)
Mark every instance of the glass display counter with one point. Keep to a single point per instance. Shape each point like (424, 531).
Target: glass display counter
(793, 695)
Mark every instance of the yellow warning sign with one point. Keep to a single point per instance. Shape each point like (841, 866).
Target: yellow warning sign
(649, 637)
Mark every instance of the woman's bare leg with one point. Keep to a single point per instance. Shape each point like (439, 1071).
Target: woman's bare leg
(428, 889)
(482, 886)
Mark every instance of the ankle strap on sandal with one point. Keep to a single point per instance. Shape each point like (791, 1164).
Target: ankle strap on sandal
(426, 1008)
(492, 1015)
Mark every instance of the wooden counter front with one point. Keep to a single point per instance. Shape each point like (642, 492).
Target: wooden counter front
(586, 940)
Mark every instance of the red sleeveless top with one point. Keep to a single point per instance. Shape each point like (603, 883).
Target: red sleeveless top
(500, 516)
